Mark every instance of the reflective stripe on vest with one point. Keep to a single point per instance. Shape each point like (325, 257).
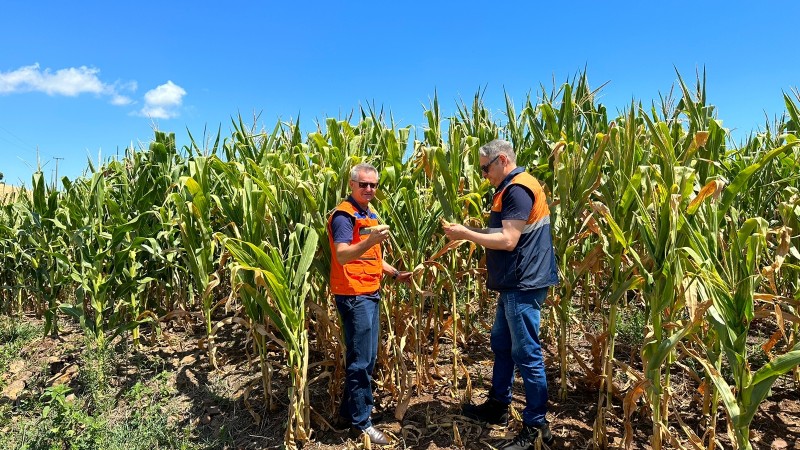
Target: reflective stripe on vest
(360, 276)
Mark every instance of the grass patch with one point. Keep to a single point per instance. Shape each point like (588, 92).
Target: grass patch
(60, 419)
(145, 422)
(630, 326)
(57, 421)
(96, 368)
(94, 411)
(14, 334)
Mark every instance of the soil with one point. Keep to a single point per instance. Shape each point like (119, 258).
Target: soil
(226, 405)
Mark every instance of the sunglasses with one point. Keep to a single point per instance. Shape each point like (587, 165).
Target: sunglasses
(364, 185)
(485, 167)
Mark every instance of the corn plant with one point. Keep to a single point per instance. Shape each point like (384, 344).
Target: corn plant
(569, 135)
(151, 260)
(784, 283)
(617, 239)
(279, 289)
(669, 186)
(730, 279)
(194, 204)
(99, 242)
(731, 276)
(413, 226)
(45, 239)
(11, 277)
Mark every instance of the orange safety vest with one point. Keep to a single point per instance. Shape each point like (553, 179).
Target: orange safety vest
(362, 275)
(532, 263)
(540, 209)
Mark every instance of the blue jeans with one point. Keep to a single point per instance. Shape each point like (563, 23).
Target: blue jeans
(515, 341)
(361, 325)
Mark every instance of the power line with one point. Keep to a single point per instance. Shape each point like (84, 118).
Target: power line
(21, 144)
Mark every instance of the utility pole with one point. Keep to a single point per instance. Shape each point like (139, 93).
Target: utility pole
(55, 182)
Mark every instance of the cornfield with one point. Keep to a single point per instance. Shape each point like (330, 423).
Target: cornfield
(653, 209)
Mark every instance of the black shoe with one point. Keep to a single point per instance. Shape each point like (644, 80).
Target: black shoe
(376, 436)
(491, 411)
(340, 423)
(527, 436)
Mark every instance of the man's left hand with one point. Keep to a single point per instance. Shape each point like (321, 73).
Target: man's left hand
(404, 277)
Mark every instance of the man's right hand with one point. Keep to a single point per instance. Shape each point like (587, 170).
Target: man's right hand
(455, 231)
(376, 237)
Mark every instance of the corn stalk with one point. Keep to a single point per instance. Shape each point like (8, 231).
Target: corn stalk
(279, 289)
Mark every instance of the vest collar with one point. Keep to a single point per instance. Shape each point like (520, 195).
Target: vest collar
(358, 207)
(518, 170)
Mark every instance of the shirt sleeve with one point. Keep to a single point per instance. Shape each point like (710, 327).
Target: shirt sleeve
(342, 227)
(517, 203)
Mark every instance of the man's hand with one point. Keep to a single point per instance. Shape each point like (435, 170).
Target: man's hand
(348, 252)
(455, 231)
(376, 237)
(404, 277)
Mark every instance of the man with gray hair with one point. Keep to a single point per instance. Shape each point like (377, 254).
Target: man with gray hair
(521, 266)
(357, 266)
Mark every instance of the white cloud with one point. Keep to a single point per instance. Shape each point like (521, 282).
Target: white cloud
(120, 100)
(70, 82)
(163, 102)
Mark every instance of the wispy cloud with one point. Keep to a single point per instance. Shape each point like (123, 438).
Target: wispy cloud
(163, 102)
(70, 82)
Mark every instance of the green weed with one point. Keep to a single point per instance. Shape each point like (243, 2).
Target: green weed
(14, 334)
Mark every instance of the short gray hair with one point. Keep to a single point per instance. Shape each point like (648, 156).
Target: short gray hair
(497, 146)
(363, 167)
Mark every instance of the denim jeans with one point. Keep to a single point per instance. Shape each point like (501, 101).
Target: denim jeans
(361, 325)
(515, 341)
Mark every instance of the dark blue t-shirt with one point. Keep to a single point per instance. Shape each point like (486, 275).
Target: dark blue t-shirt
(517, 203)
(342, 227)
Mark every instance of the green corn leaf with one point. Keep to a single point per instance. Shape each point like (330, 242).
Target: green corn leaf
(763, 379)
(740, 182)
(724, 390)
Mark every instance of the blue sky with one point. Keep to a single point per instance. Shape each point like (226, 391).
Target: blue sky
(86, 79)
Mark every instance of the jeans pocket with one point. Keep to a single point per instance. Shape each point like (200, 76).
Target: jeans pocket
(534, 297)
(344, 304)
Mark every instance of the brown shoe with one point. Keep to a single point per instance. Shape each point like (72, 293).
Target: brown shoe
(376, 436)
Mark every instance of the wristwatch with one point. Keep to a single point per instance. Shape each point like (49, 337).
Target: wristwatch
(395, 274)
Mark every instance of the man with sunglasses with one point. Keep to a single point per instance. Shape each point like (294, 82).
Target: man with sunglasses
(521, 266)
(357, 267)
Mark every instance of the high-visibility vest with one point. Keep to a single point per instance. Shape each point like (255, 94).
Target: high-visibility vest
(532, 263)
(362, 275)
